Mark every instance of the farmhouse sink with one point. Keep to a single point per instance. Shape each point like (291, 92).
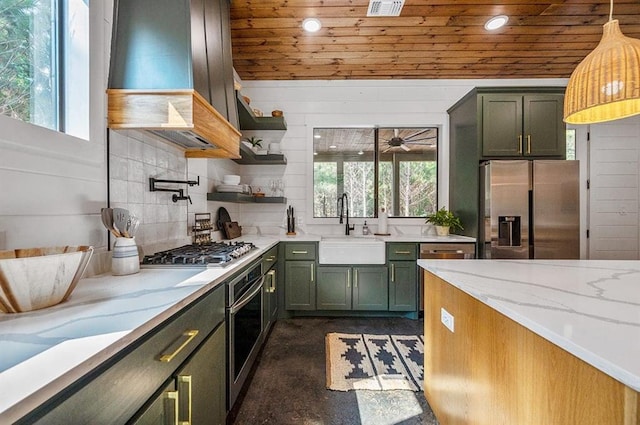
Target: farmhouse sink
(351, 250)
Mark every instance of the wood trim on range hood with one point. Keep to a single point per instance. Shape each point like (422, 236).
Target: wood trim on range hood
(176, 115)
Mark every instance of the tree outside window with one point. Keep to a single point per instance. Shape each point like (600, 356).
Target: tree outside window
(44, 63)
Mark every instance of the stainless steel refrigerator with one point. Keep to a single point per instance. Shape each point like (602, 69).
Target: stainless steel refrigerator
(530, 209)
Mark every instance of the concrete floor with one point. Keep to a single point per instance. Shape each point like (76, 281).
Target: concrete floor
(288, 385)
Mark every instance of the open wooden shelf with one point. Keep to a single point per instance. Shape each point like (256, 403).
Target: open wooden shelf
(249, 121)
(249, 157)
(243, 198)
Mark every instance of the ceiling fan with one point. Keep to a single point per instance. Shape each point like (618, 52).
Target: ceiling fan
(412, 139)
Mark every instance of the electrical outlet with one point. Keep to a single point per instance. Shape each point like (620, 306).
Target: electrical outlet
(3, 239)
(447, 319)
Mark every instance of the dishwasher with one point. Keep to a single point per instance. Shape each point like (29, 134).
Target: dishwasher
(444, 251)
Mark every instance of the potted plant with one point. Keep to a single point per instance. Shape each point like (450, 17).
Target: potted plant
(256, 144)
(444, 220)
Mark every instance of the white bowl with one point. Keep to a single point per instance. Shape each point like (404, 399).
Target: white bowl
(35, 278)
(231, 179)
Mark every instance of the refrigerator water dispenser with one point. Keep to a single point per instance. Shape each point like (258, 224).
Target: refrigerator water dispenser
(509, 230)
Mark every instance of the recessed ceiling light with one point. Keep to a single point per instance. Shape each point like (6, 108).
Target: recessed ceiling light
(360, 152)
(317, 136)
(332, 146)
(311, 24)
(496, 22)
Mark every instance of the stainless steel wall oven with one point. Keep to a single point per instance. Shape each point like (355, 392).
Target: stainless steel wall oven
(244, 321)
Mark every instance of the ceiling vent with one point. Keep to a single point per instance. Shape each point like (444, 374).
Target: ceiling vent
(385, 7)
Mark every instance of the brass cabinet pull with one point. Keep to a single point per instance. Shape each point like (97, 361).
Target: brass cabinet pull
(299, 252)
(520, 144)
(171, 408)
(403, 252)
(348, 278)
(312, 278)
(355, 278)
(271, 258)
(272, 284)
(393, 272)
(179, 345)
(184, 400)
(528, 143)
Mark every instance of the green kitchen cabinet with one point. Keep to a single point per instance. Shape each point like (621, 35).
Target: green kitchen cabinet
(270, 289)
(352, 288)
(300, 275)
(333, 288)
(370, 288)
(403, 276)
(197, 393)
(403, 286)
(517, 125)
(189, 346)
(300, 288)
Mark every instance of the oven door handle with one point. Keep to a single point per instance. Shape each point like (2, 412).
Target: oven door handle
(255, 289)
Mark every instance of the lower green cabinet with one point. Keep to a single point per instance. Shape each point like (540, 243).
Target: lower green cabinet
(334, 288)
(403, 286)
(197, 393)
(352, 288)
(300, 288)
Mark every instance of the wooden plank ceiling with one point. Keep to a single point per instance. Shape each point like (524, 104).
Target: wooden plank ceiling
(431, 39)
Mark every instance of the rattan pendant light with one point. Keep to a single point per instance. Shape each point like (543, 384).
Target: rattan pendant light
(605, 86)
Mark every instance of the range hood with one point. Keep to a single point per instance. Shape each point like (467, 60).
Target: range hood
(171, 74)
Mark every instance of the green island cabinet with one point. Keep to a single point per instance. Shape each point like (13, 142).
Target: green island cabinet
(499, 123)
(299, 275)
(177, 371)
(403, 276)
(352, 288)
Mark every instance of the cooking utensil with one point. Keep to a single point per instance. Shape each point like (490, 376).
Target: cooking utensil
(120, 220)
(223, 217)
(107, 221)
(133, 228)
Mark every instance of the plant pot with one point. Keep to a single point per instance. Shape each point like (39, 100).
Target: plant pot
(442, 230)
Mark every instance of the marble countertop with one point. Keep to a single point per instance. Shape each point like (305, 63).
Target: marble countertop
(44, 351)
(590, 308)
(304, 237)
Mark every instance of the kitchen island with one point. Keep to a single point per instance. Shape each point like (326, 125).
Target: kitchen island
(532, 341)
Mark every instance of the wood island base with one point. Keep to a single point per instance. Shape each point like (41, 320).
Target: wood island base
(494, 371)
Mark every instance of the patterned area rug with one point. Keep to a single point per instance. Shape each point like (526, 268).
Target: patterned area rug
(374, 362)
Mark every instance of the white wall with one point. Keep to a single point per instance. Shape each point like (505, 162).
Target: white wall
(614, 164)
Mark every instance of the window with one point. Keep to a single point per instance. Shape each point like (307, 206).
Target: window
(391, 168)
(44, 63)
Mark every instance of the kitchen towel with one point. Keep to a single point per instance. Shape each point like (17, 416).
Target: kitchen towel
(374, 362)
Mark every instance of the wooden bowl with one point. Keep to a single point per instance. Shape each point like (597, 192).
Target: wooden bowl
(276, 113)
(35, 278)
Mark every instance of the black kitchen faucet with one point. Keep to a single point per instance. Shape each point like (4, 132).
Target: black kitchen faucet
(344, 199)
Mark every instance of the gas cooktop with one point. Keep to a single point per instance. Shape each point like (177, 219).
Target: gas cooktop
(214, 254)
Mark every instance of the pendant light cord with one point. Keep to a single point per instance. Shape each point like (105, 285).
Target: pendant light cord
(611, 12)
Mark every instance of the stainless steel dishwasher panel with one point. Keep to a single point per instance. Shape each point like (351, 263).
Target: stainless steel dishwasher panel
(443, 251)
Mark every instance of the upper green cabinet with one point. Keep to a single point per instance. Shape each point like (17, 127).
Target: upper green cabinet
(522, 125)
